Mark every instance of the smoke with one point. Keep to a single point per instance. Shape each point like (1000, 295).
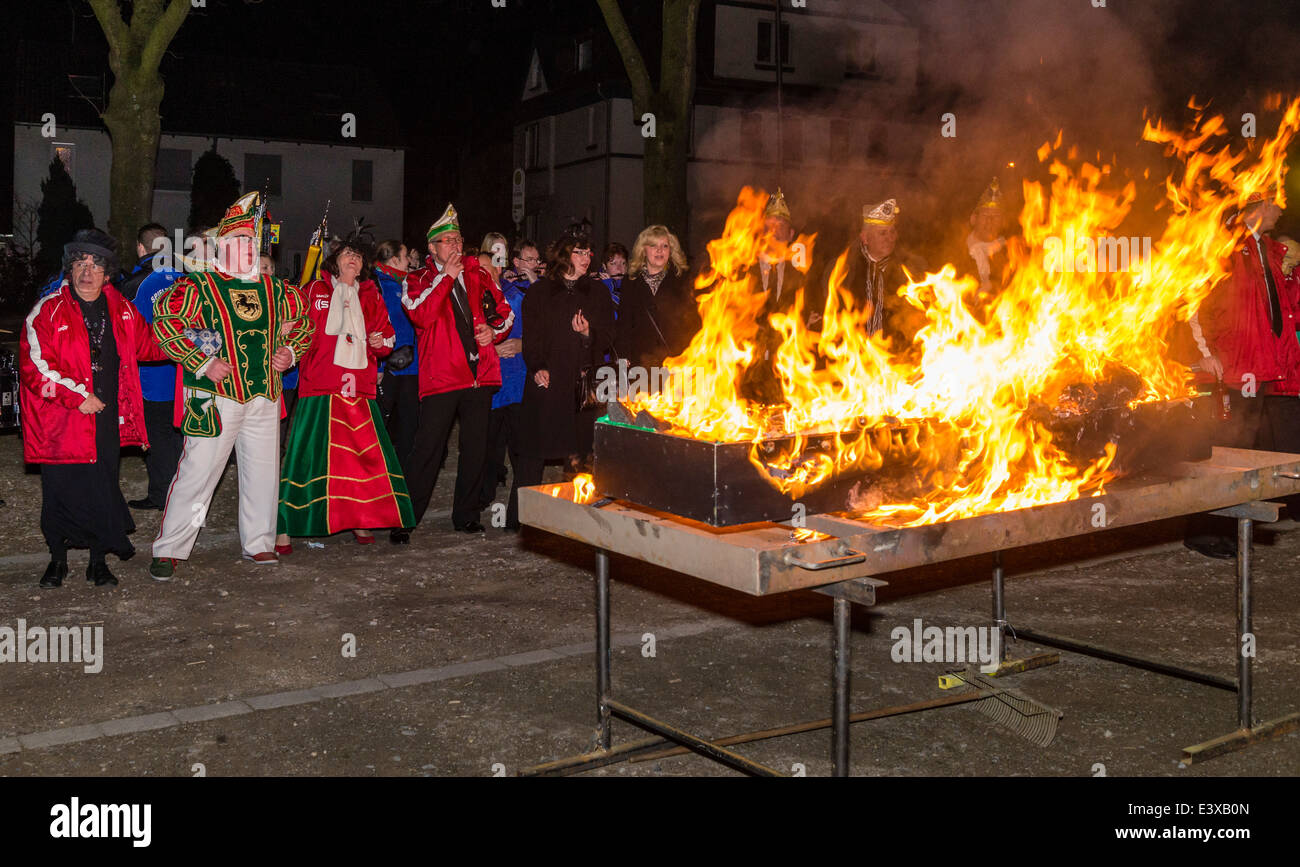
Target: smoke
(1012, 74)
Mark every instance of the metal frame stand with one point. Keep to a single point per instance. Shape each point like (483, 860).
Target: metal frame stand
(670, 740)
(1247, 733)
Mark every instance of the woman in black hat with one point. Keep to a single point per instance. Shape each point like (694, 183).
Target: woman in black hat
(81, 403)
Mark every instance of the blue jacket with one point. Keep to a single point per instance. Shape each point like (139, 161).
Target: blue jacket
(514, 370)
(391, 288)
(615, 287)
(157, 378)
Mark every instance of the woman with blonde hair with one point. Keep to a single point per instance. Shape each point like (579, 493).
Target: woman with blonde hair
(657, 314)
(494, 254)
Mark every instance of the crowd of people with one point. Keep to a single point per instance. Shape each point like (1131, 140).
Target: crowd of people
(338, 397)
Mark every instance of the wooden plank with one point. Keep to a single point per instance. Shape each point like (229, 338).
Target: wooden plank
(752, 558)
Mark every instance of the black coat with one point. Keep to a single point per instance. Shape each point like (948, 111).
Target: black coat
(551, 426)
(900, 320)
(673, 309)
(760, 382)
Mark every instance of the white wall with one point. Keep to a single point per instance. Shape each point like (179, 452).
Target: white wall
(310, 175)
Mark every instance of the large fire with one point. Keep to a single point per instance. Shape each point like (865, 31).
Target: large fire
(965, 408)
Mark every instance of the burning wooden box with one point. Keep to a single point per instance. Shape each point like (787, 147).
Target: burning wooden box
(726, 483)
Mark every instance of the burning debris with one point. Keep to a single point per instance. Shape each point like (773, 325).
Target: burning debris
(1058, 383)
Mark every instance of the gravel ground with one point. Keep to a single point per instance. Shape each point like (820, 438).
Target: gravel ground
(514, 613)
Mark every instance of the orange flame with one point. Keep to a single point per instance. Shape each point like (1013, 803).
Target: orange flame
(962, 412)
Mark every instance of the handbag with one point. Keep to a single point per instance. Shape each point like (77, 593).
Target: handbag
(400, 358)
(584, 393)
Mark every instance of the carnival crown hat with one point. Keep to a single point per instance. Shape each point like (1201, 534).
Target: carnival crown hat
(991, 198)
(448, 222)
(776, 206)
(882, 214)
(1267, 194)
(241, 215)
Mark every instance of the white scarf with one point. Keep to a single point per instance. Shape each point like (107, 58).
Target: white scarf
(983, 252)
(346, 321)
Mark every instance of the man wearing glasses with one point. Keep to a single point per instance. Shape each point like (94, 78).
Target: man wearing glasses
(449, 301)
(250, 328)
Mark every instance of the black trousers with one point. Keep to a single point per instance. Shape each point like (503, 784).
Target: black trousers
(472, 406)
(503, 437)
(399, 401)
(290, 396)
(1280, 431)
(165, 443)
(1249, 427)
(527, 473)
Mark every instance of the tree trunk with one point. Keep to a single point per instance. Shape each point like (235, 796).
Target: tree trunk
(135, 127)
(664, 165)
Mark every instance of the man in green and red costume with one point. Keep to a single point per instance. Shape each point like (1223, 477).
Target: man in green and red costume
(233, 332)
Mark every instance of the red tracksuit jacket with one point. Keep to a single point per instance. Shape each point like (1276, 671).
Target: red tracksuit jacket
(428, 303)
(317, 371)
(54, 368)
(1235, 320)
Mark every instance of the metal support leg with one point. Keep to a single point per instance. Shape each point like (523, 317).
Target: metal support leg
(602, 649)
(1245, 535)
(840, 652)
(999, 606)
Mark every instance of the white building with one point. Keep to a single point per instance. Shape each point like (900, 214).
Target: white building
(357, 181)
(848, 71)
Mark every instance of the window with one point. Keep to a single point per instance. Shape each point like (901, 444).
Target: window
(878, 144)
(841, 140)
(751, 133)
(172, 171)
(363, 180)
(67, 154)
(262, 172)
(792, 140)
(532, 146)
(582, 58)
(591, 127)
(765, 45)
(862, 56)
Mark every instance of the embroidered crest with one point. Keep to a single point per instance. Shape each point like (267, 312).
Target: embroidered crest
(247, 303)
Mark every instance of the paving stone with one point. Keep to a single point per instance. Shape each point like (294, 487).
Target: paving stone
(205, 712)
(132, 724)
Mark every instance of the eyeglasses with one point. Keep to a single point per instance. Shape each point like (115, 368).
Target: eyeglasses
(88, 266)
(530, 258)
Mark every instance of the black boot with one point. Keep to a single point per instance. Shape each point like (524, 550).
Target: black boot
(98, 572)
(54, 574)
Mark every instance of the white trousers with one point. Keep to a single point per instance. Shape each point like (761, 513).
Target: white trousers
(253, 430)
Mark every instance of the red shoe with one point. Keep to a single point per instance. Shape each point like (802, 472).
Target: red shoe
(284, 549)
(265, 558)
(363, 540)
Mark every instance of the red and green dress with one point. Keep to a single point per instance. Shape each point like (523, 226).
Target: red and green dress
(340, 471)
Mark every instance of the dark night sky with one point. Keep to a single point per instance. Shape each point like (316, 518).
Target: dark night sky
(452, 69)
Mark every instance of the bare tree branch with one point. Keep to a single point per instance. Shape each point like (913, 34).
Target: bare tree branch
(677, 55)
(638, 75)
(161, 35)
(110, 21)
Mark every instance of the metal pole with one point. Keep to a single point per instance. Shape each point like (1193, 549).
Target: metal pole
(999, 605)
(1245, 532)
(840, 652)
(780, 119)
(602, 649)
